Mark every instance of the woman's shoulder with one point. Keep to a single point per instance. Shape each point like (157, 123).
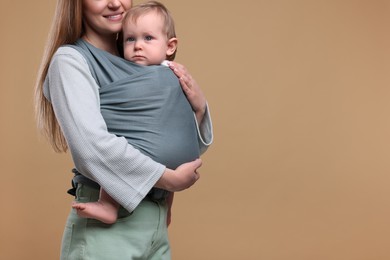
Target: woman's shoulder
(68, 60)
(69, 55)
(68, 64)
(69, 51)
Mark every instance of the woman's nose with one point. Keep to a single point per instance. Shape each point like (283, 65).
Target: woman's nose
(113, 4)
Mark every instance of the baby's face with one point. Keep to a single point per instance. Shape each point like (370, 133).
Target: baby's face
(144, 40)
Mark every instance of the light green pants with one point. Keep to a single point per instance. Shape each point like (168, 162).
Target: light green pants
(139, 235)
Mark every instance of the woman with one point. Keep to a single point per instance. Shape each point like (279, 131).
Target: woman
(69, 113)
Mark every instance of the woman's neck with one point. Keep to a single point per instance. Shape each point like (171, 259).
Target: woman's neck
(108, 43)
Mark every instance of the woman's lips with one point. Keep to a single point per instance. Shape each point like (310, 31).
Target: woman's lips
(114, 17)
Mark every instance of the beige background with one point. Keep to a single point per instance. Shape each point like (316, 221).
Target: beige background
(299, 92)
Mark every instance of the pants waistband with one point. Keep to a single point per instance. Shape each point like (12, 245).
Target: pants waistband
(154, 193)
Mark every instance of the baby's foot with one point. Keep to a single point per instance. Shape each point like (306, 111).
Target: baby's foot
(103, 212)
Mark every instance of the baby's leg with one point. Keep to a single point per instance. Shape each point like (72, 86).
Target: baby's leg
(105, 209)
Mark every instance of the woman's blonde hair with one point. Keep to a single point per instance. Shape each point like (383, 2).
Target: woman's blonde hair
(169, 25)
(66, 28)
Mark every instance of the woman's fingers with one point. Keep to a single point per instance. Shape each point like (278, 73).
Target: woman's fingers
(180, 179)
(190, 87)
(187, 174)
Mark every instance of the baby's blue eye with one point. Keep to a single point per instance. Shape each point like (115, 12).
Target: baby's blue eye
(130, 39)
(148, 38)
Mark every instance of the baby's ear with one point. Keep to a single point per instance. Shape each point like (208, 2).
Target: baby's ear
(172, 46)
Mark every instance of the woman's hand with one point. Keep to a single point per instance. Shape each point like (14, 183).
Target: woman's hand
(191, 89)
(180, 179)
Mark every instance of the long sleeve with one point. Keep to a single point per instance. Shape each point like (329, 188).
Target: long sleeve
(125, 173)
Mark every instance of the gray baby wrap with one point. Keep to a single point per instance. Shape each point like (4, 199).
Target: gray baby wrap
(146, 105)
